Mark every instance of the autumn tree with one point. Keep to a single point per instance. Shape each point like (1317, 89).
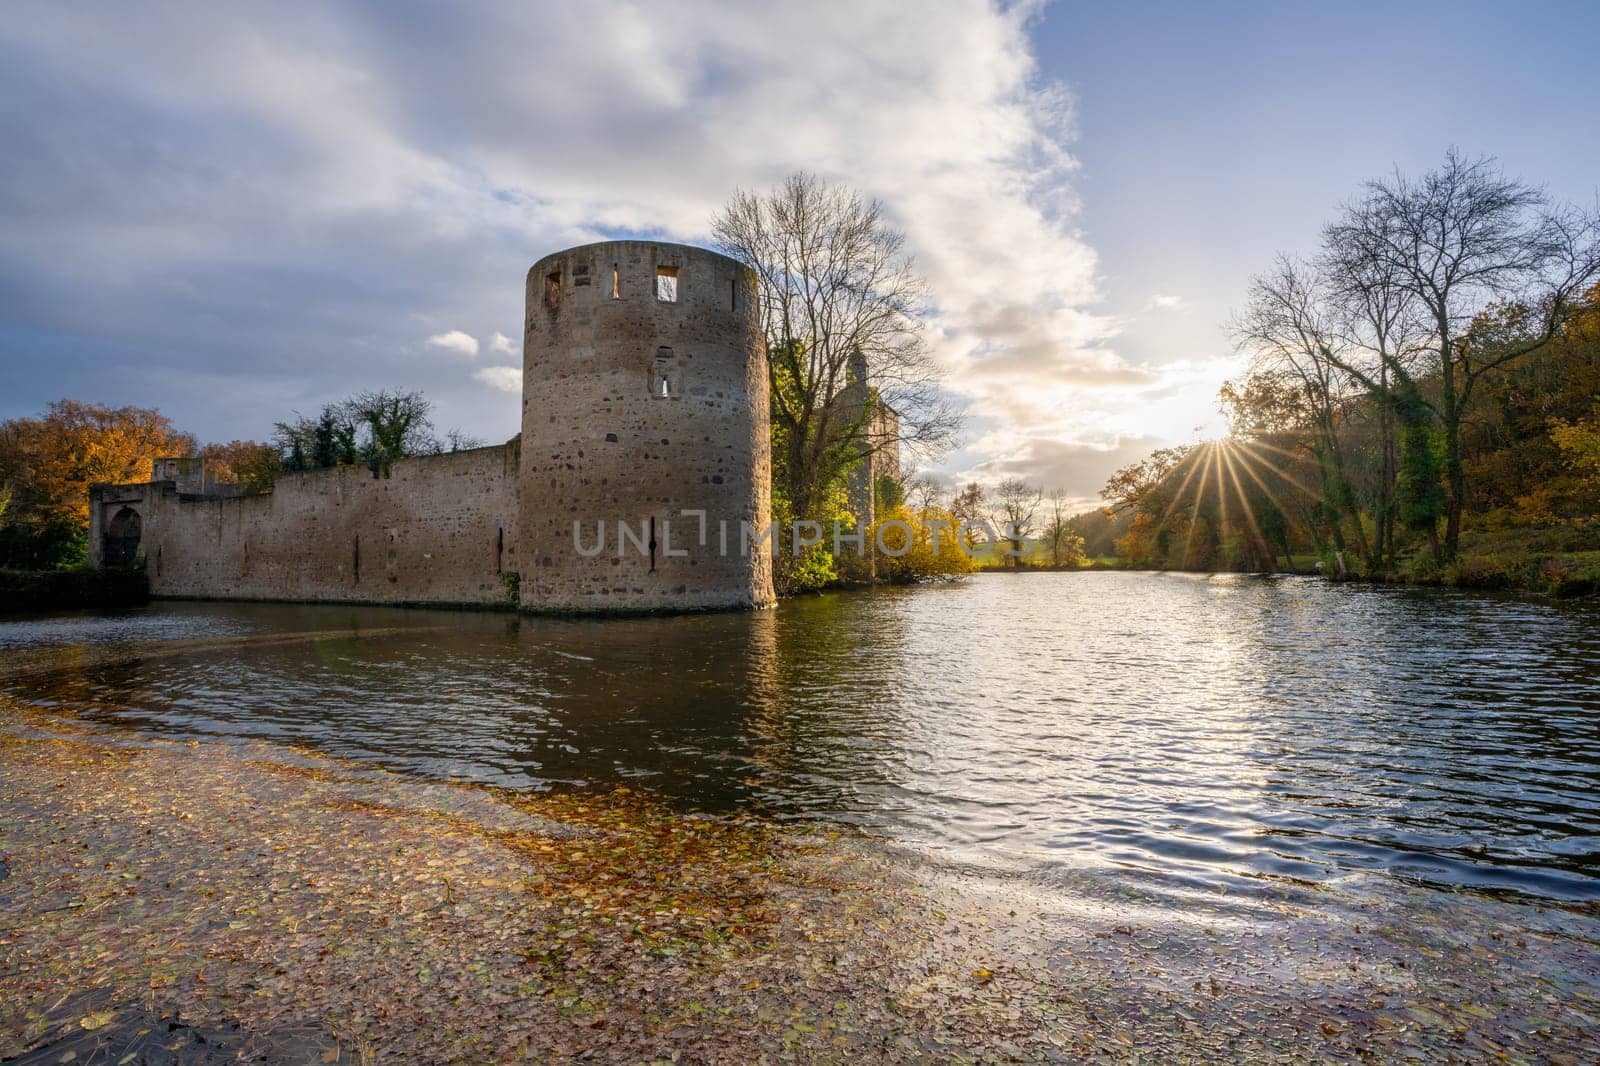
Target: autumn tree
(1138, 545)
(841, 306)
(1580, 446)
(243, 462)
(1143, 485)
(914, 545)
(48, 463)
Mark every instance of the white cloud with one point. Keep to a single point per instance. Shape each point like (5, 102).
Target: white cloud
(504, 378)
(1078, 469)
(347, 142)
(456, 341)
(1162, 302)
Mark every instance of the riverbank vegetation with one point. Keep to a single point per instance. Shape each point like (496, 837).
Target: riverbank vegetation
(69, 587)
(1420, 403)
(849, 375)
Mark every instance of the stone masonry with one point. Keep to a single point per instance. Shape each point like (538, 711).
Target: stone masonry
(644, 397)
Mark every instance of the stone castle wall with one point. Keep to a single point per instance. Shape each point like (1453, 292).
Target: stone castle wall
(644, 395)
(430, 530)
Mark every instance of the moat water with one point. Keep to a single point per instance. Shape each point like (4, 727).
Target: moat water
(1187, 734)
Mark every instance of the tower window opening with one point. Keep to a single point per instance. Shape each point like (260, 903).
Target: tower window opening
(499, 549)
(616, 282)
(666, 380)
(667, 284)
(552, 290)
(580, 274)
(733, 294)
(652, 544)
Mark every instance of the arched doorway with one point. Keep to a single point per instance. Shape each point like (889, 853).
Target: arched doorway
(120, 545)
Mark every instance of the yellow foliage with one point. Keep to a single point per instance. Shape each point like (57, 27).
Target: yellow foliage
(920, 558)
(1580, 443)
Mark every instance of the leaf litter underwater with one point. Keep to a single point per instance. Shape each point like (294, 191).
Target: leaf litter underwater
(208, 901)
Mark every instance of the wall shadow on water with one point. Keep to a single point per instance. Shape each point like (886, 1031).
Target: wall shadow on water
(1183, 730)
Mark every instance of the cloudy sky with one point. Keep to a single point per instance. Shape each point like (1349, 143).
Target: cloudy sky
(236, 212)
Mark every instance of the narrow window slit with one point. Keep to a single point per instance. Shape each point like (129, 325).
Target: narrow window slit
(616, 282)
(652, 544)
(665, 378)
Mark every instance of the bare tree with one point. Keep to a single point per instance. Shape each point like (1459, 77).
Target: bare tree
(457, 440)
(839, 300)
(1380, 321)
(1016, 504)
(1466, 243)
(922, 490)
(1064, 541)
(1290, 323)
(970, 505)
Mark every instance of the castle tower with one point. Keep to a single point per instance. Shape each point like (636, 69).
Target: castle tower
(644, 395)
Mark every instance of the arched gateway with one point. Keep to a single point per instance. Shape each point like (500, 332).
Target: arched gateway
(120, 544)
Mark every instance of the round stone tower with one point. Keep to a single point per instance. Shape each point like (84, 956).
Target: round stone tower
(644, 396)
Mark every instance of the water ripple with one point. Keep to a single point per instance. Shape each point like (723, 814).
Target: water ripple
(1199, 733)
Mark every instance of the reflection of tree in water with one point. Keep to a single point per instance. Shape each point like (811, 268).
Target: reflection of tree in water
(826, 719)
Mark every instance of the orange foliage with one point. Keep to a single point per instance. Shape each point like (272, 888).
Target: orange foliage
(49, 463)
(243, 462)
(1139, 545)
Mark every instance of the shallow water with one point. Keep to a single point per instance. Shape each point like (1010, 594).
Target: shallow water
(1183, 734)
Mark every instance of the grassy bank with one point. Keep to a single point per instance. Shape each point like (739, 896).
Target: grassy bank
(1550, 561)
(49, 590)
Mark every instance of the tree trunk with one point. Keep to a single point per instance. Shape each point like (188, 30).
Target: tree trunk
(1311, 528)
(1346, 503)
(1328, 506)
(1456, 480)
(1450, 415)
(1386, 477)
